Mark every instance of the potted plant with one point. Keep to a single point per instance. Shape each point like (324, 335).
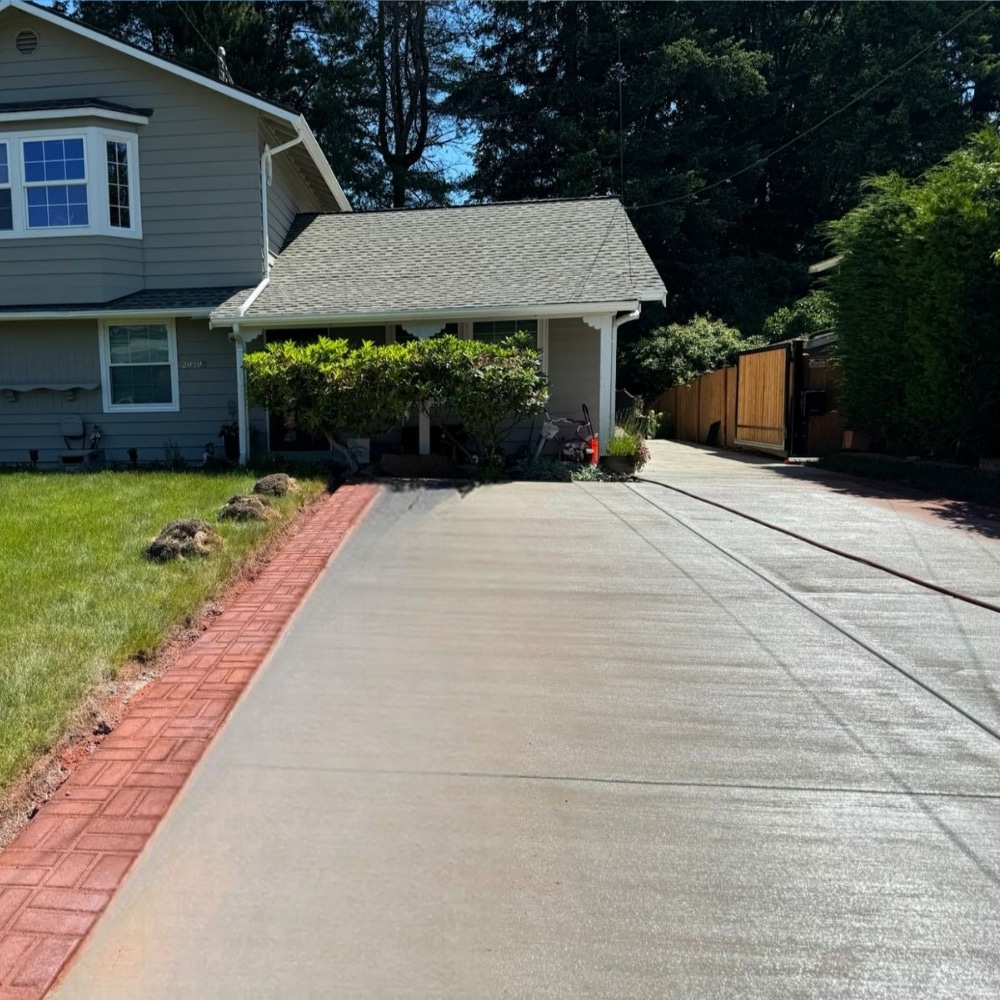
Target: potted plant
(625, 453)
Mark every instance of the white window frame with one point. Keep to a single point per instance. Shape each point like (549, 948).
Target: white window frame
(8, 184)
(542, 336)
(105, 346)
(95, 141)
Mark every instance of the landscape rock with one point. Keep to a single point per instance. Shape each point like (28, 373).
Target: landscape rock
(184, 538)
(246, 508)
(277, 484)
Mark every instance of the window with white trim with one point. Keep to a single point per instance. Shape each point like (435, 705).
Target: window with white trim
(495, 331)
(51, 183)
(140, 367)
(6, 206)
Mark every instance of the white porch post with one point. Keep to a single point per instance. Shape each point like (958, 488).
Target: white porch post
(609, 335)
(422, 331)
(242, 418)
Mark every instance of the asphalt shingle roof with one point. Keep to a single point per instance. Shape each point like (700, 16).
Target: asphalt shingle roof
(542, 253)
(160, 299)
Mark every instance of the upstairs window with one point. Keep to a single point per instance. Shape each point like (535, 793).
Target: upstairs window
(6, 206)
(119, 196)
(51, 184)
(55, 183)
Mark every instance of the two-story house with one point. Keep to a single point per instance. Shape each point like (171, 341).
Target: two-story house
(155, 222)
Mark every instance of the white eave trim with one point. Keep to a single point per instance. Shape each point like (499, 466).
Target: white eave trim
(98, 313)
(88, 112)
(322, 164)
(293, 119)
(566, 310)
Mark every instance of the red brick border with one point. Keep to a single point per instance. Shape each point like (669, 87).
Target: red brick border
(58, 875)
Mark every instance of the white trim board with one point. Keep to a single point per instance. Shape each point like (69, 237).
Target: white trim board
(86, 112)
(594, 310)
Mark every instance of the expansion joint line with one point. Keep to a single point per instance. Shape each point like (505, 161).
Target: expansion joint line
(984, 726)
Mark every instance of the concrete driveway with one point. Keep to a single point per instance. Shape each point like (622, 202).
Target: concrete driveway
(548, 741)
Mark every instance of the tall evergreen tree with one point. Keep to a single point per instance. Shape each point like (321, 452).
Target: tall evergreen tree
(682, 122)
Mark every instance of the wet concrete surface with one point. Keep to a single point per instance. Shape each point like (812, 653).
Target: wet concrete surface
(545, 741)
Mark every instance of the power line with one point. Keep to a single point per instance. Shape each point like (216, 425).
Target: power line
(812, 128)
(187, 17)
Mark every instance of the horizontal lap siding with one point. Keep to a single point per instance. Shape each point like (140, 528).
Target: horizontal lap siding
(33, 420)
(199, 178)
(574, 363)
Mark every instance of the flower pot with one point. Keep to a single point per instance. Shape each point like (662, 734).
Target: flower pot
(623, 465)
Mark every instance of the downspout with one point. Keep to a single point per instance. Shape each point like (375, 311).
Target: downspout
(615, 324)
(266, 176)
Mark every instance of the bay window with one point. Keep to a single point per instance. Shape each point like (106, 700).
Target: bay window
(68, 182)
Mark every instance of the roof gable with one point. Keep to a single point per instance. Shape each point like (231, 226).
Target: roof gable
(568, 255)
(290, 118)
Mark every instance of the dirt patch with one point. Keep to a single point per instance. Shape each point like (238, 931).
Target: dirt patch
(106, 707)
(180, 539)
(247, 508)
(276, 485)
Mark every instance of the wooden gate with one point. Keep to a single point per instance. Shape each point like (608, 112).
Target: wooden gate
(762, 384)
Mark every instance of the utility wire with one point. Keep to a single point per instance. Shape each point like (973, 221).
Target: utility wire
(812, 128)
(187, 17)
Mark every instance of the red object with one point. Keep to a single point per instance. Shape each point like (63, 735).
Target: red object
(594, 451)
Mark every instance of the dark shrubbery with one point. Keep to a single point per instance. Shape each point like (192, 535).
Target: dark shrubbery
(917, 299)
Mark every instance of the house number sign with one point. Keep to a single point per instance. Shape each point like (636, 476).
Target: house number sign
(192, 364)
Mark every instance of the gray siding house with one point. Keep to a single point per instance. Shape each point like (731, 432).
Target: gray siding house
(155, 224)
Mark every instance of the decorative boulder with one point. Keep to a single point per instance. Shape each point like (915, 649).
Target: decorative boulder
(246, 508)
(184, 538)
(277, 485)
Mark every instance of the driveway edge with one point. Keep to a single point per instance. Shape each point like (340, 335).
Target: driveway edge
(58, 875)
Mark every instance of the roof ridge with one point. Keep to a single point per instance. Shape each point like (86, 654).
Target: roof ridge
(416, 209)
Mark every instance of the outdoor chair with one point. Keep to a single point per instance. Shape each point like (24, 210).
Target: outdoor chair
(80, 452)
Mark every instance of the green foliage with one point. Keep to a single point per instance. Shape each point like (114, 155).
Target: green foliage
(488, 387)
(707, 91)
(916, 295)
(331, 388)
(675, 354)
(334, 390)
(812, 314)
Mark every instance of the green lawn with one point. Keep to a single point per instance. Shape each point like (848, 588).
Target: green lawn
(77, 597)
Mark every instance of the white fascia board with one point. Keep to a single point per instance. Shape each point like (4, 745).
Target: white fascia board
(566, 311)
(323, 165)
(290, 117)
(98, 313)
(90, 112)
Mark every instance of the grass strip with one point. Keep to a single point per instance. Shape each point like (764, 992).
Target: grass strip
(78, 598)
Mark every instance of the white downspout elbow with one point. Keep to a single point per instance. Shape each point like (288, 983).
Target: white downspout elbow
(266, 177)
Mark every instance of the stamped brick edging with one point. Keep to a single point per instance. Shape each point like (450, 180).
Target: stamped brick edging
(60, 872)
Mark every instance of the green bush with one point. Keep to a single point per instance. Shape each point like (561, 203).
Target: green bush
(335, 390)
(675, 354)
(488, 388)
(812, 314)
(916, 299)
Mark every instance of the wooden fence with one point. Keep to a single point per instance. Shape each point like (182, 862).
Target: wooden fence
(769, 384)
(703, 402)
